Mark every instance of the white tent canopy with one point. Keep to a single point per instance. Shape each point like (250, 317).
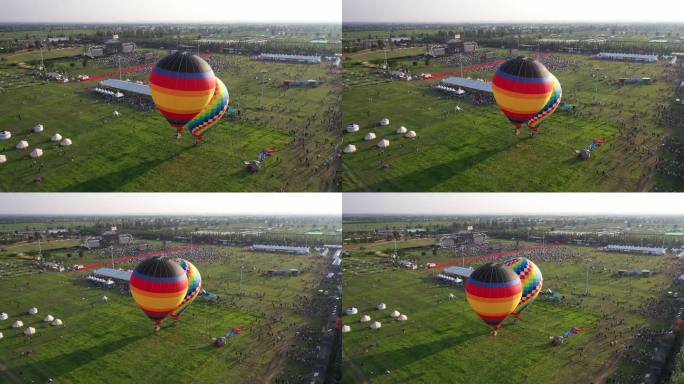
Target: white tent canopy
(346, 328)
(350, 148)
(66, 142)
(402, 318)
(395, 313)
(411, 134)
(3, 316)
(38, 128)
(48, 318)
(401, 129)
(369, 136)
(18, 324)
(3, 159)
(37, 153)
(56, 137)
(351, 128)
(1, 335)
(384, 121)
(365, 319)
(384, 143)
(375, 325)
(22, 144)
(57, 322)
(381, 306)
(105, 298)
(32, 311)
(351, 311)
(116, 113)
(29, 331)
(5, 135)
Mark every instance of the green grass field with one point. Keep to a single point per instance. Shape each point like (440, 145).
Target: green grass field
(114, 341)
(444, 341)
(474, 150)
(137, 151)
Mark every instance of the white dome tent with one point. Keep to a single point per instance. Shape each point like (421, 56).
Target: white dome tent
(375, 325)
(351, 128)
(395, 314)
(401, 130)
(381, 306)
(56, 137)
(66, 142)
(369, 136)
(38, 128)
(48, 318)
(365, 319)
(18, 324)
(384, 122)
(411, 135)
(22, 144)
(32, 311)
(351, 311)
(346, 329)
(29, 331)
(1, 335)
(5, 135)
(3, 159)
(384, 143)
(351, 148)
(4, 316)
(57, 322)
(402, 318)
(105, 298)
(116, 113)
(36, 153)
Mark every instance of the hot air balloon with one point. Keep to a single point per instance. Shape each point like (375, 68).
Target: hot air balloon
(493, 291)
(212, 112)
(522, 87)
(549, 108)
(194, 287)
(181, 85)
(158, 286)
(531, 279)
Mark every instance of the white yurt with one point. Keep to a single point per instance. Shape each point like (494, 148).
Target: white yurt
(3, 159)
(48, 318)
(375, 325)
(37, 153)
(32, 311)
(381, 306)
(66, 142)
(116, 113)
(346, 328)
(105, 298)
(56, 137)
(38, 128)
(29, 331)
(351, 128)
(5, 135)
(402, 318)
(411, 135)
(3, 316)
(365, 319)
(369, 136)
(1, 335)
(401, 130)
(18, 324)
(384, 143)
(22, 144)
(351, 311)
(395, 313)
(384, 121)
(57, 322)
(350, 148)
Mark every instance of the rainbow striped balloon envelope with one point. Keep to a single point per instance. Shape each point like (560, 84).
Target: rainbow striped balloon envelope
(212, 112)
(549, 108)
(194, 288)
(531, 279)
(522, 87)
(181, 85)
(493, 291)
(158, 286)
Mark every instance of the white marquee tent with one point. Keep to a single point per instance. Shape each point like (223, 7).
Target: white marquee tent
(384, 121)
(375, 325)
(18, 324)
(48, 318)
(22, 144)
(351, 311)
(57, 322)
(346, 328)
(29, 331)
(402, 318)
(369, 136)
(350, 148)
(365, 319)
(411, 135)
(3, 316)
(351, 128)
(401, 130)
(38, 128)
(66, 142)
(3, 159)
(37, 153)
(381, 306)
(395, 314)
(384, 143)
(32, 311)
(5, 135)
(56, 137)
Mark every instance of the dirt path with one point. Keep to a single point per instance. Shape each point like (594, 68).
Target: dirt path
(278, 361)
(606, 369)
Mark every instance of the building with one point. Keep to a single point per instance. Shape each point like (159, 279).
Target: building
(113, 274)
(136, 88)
(480, 87)
(462, 238)
(455, 46)
(626, 57)
(95, 51)
(285, 58)
(280, 249)
(651, 251)
(457, 272)
(114, 45)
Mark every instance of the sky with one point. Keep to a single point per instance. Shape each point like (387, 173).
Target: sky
(170, 203)
(118, 11)
(451, 11)
(513, 203)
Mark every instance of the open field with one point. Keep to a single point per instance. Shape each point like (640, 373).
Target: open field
(473, 150)
(137, 151)
(114, 341)
(444, 341)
